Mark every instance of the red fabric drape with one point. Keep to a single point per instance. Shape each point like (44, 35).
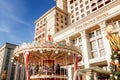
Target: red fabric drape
(76, 64)
(26, 60)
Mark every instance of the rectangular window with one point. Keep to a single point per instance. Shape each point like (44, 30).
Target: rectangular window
(87, 7)
(76, 4)
(71, 7)
(76, 8)
(83, 15)
(81, 5)
(71, 1)
(72, 11)
(73, 21)
(96, 44)
(86, 2)
(77, 13)
(82, 10)
(77, 18)
(88, 12)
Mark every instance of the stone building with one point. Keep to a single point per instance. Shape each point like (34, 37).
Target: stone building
(83, 23)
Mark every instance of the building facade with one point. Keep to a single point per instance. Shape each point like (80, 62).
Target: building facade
(7, 68)
(83, 23)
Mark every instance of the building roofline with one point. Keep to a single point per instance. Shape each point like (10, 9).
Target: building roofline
(45, 14)
(7, 43)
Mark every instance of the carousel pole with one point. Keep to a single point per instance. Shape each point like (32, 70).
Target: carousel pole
(26, 60)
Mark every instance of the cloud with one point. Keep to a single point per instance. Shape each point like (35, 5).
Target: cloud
(4, 28)
(13, 10)
(13, 26)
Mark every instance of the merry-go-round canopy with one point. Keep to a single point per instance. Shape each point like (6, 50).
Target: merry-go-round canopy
(48, 51)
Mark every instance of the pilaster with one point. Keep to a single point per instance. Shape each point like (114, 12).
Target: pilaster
(85, 51)
(106, 44)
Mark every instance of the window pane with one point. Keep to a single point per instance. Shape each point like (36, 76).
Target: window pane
(92, 35)
(93, 45)
(100, 43)
(94, 55)
(102, 52)
(80, 47)
(80, 39)
(98, 32)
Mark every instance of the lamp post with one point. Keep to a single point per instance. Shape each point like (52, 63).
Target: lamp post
(114, 40)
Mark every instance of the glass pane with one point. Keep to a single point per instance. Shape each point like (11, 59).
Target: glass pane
(102, 53)
(80, 39)
(92, 35)
(80, 47)
(114, 26)
(98, 32)
(94, 55)
(93, 45)
(100, 43)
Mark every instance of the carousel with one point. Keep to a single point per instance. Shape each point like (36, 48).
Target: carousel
(47, 60)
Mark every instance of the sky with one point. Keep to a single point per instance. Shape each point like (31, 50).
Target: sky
(17, 19)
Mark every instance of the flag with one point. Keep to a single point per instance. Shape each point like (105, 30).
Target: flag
(26, 60)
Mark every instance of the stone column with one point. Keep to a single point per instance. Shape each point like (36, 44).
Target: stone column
(106, 44)
(85, 50)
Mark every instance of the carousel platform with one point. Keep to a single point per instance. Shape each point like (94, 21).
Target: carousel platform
(48, 77)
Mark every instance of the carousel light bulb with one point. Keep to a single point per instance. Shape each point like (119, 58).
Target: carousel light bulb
(69, 53)
(41, 51)
(116, 61)
(11, 60)
(14, 63)
(17, 55)
(78, 55)
(56, 52)
(21, 65)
